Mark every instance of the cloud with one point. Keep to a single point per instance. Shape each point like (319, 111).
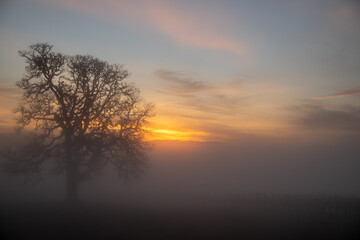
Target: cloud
(9, 91)
(347, 15)
(196, 29)
(345, 93)
(317, 117)
(231, 106)
(198, 95)
(181, 82)
(9, 96)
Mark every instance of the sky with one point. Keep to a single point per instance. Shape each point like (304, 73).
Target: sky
(215, 70)
(264, 96)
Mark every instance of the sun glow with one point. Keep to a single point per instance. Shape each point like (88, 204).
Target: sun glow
(165, 134)
(170, 134)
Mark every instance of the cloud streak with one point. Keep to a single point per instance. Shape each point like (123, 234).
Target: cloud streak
(8, 95)
(189, 29)
(200, 96)
(195, 29)
(345, 93)
(316, 117)
(230, 106)
(347, 14)
(181, 82)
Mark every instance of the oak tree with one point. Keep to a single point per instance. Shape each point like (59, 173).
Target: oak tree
(83, 116)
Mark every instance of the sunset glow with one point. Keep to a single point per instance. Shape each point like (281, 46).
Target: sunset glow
(166, 134)
(214, 70)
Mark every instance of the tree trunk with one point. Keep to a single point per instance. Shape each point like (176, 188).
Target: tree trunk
(72, 178)
(72, 171)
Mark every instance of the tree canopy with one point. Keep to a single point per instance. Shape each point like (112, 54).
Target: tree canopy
(83, 114)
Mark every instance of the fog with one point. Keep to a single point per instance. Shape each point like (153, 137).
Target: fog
(185, 172)
(256, 188)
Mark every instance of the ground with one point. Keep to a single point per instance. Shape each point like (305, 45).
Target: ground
(260, 218)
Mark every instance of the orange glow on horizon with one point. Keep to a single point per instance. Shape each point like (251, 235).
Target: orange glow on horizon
(170, 134)
(167, 134)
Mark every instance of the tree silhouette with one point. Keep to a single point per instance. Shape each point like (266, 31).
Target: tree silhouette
(83, 115)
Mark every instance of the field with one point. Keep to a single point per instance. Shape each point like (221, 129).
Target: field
(261, 217)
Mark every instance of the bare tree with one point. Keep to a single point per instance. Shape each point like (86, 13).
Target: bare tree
(83, 115)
